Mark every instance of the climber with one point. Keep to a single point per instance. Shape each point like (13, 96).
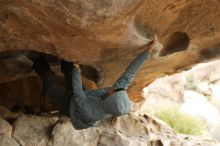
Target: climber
(86, 107)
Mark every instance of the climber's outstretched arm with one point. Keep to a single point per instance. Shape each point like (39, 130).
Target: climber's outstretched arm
(77, 87)
(127, 77)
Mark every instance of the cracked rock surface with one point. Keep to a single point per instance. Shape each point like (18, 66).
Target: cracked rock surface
(130, 130)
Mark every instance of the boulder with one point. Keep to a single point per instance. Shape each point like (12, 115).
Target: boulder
(64, 134)
(7, 141)
(33, 130)
(5, 128)
(134, 129)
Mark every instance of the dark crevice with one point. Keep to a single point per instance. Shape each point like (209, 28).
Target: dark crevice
(10, 120)
(90, 73)
(178, 41)
(22, 92)
(156, 143)
(211, 52)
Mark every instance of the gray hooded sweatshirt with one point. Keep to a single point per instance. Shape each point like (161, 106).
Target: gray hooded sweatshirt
(88, 107)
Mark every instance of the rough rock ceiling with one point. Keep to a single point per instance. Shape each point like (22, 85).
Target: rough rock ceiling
(108, 34)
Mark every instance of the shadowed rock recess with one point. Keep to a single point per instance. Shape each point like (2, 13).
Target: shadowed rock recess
(103, 36)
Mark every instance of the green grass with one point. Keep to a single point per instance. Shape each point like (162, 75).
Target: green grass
(180, 122)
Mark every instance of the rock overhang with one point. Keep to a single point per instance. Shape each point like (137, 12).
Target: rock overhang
(109, 34)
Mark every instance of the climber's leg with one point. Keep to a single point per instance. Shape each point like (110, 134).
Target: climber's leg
(66, 68)
(52, 86)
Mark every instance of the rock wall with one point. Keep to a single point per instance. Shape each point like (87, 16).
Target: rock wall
(108, 34)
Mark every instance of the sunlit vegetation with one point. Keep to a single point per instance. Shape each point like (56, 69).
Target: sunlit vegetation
(181, 122)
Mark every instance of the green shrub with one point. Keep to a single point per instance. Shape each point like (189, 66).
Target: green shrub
(180, 122)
